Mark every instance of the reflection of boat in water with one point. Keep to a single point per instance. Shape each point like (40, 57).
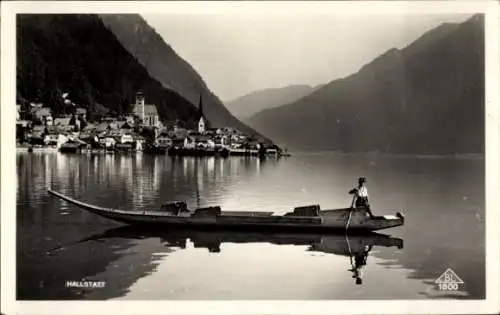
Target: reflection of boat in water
(338, 244)
(353, 246)
(308, 218)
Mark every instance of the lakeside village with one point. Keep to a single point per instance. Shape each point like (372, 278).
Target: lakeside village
(139, 131)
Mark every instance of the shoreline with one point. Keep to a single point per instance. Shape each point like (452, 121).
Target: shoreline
(22, 149)
(186, 153)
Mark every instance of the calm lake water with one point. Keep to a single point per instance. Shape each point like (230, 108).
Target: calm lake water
(442, 199)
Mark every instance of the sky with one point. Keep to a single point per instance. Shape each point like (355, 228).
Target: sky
(237, 54)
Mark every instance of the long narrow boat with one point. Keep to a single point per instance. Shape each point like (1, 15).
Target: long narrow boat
(307, 218)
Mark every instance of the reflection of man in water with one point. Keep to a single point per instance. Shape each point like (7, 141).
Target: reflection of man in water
(360, 264)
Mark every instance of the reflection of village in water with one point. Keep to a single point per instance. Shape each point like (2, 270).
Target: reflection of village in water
(140, 182)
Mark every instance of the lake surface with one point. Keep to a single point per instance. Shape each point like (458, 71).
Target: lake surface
(442, 198)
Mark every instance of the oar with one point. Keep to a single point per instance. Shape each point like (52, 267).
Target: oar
(350, 213)
(350, 252)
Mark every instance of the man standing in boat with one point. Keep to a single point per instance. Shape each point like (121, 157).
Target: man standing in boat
(361, 195)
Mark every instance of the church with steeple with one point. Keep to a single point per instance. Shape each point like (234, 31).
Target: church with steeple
(202, 122)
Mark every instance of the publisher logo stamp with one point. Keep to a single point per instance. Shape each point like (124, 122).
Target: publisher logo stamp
(449, 281)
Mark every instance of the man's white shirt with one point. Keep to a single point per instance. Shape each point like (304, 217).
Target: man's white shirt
(362, 191)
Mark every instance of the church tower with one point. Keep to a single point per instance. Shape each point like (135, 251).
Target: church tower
(201, 121)
(139, 104)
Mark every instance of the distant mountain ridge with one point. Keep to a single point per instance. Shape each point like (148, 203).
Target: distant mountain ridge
(427, 98)
(167, 67)
(247, 105)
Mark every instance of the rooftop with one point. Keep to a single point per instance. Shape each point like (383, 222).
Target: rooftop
(38, 128)
(62, 121)
(90, 126)
(124, 125)
(44, 111)
(52, 130)
(201, 138)
(102, 127)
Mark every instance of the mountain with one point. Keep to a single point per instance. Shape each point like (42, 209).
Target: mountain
(427, 98)
(79, 55)
(164, 65)
(246, 106)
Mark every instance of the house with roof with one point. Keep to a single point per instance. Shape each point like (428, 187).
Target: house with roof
(198, 141)
(125, 126)
(43, 114)
(164, 140)
(63, 124)
(175, 125)
(108, 119)
(107, 141)
(37, 134)
(52, 136)
(121, 136)
(86, 137)
(22, 129)
(38, 129)
(52, 130)
(147, 113)
(179, 133)
(89, 128)
(126, 137)
(102, 127)
(130, 119)
(81, 112)
(113, 125)
(238, 138)
(24, 124)
(221, 141)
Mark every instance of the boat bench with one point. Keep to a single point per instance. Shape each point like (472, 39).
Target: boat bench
(305, 211)
(175, 207)
(207, 212)
(269, 220)
(246, 214)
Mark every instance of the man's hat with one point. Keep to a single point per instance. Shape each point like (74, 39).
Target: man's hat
(362, 180)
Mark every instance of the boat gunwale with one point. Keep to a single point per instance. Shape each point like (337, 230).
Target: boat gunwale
(144, 217)
(153, 213)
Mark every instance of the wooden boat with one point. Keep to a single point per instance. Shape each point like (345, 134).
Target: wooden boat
(308, 218)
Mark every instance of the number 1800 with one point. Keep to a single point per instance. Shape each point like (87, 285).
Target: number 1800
(448, 286)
